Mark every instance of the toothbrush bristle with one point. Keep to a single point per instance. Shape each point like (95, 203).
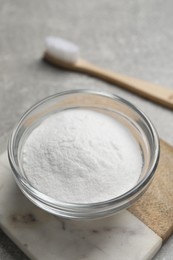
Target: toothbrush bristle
(62, 49)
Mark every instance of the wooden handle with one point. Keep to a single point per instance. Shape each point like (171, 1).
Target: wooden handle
(158, 94)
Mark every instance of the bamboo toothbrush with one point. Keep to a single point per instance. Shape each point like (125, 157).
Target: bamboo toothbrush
(66, 55)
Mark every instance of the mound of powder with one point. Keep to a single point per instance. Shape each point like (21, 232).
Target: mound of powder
(81, 155)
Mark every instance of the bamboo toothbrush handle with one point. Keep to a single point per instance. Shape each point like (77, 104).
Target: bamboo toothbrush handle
(156, 93)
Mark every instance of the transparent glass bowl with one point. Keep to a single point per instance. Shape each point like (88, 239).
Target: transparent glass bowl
(131, 117)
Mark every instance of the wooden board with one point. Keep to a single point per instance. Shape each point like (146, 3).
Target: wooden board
(155, 207)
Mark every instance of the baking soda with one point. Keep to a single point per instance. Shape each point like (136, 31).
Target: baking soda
(81, 156)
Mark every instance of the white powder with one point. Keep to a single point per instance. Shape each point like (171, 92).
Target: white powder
(80, 155)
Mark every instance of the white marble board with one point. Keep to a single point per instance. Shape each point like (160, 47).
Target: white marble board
(43, 236)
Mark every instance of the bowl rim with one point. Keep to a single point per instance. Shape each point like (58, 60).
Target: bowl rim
(55, 203)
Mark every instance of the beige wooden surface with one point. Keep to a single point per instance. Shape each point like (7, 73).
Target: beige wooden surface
(155, 207)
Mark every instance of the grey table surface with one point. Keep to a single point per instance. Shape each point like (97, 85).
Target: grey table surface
(132, 37)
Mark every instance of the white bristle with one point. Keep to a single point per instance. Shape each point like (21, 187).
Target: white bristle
(62, 49)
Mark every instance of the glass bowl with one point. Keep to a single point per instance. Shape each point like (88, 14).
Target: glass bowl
(123, 111)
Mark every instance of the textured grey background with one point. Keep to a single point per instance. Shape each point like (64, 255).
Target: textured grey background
(134, 37)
